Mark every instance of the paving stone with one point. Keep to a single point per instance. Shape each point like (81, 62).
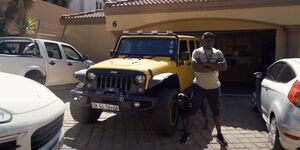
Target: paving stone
(242, 128)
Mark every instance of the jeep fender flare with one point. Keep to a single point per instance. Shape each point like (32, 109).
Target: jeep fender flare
(165, 78)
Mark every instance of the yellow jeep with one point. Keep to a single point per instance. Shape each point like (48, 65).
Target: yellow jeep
(146, 73)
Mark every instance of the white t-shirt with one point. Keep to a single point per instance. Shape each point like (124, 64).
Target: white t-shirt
(207, 80)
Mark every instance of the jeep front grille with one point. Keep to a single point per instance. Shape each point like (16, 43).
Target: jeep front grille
(123, 83)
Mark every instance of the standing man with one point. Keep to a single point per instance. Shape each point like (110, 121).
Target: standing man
(206, 62)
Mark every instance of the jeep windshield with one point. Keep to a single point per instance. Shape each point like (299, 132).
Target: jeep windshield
(147, 46)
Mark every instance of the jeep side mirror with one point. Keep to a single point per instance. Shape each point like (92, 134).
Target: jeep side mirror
(184, 55)
(112, 53)
(84, 58)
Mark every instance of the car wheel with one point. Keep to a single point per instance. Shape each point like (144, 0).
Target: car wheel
(84, 114)
(254, 102)
(36, 76)
(273, 136)
(165, 116)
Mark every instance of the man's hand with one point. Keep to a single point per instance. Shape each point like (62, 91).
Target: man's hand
(201, 67)
(221, 65)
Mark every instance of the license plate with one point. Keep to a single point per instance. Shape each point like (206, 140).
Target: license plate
(105, 106)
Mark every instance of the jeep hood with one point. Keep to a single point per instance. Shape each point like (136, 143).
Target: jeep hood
(20, 95)
(135, 64)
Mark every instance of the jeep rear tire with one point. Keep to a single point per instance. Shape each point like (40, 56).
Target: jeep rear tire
(84, 114)
(165, 115)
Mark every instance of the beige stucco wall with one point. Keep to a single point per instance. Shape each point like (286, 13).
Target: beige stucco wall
(220, 25)
(92, 40)
(219, 20)
(49, 15)
(281, 15)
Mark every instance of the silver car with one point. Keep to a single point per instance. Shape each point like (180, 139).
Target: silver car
(280, 103)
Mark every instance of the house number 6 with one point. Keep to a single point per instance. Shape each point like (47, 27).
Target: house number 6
(114, 24)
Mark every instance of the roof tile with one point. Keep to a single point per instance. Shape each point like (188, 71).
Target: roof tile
(94, 16)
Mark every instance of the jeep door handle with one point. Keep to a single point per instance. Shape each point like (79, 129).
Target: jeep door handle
(69, 63)
(51, 62)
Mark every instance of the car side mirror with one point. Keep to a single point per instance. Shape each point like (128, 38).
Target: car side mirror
(184, 56)
(112, 53)
(84, 58)
(258, 75)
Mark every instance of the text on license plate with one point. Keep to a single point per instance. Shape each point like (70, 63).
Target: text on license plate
(105, 106)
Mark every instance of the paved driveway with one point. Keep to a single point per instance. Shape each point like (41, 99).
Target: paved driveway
(242, 127)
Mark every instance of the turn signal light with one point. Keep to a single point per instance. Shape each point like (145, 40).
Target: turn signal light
(294, 94)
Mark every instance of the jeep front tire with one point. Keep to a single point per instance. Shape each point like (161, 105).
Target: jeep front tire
(165, 115)
(84, 114)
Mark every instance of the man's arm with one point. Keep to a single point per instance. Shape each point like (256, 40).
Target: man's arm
(200, 67)
(221, 64)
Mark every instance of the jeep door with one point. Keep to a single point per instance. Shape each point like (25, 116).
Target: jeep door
(73, 60)
(56, 65)
(185, 70)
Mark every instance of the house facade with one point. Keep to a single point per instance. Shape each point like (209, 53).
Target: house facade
(251, 34)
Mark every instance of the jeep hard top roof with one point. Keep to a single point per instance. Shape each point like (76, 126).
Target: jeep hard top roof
(171, 35)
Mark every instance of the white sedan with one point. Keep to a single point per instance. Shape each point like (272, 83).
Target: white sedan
(279, 103)
(31, 116)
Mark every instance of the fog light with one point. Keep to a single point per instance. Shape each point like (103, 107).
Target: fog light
(136, 104)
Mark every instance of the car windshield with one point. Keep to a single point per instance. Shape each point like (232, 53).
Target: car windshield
(147, 46)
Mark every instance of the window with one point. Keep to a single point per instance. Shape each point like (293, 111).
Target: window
(274, 70)
(197, 44)
(183, 46)
(286, 75)
(70, 53)
(192, 46)
(19, 48)
(53, 50)
(31, 49)
(98, 5)
(147, 46)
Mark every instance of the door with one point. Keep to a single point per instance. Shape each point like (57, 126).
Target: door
(270, 85)
(56, 66)
(186, 74)
(74, 62)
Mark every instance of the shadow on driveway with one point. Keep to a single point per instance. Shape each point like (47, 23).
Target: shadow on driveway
(241, 126)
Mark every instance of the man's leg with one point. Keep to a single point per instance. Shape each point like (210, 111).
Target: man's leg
(193, 107)
(214, 103)
(204, 114)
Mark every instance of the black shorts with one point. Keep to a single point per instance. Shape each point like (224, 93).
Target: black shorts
(199, 95)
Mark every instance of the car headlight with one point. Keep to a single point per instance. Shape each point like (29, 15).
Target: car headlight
(91, 76)
(140, 79)
(5, 116)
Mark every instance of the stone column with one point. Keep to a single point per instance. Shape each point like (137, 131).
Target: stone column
(293, 41)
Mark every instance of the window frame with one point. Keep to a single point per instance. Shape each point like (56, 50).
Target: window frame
(64, 45)
(59, 50)
(283, 71)
(268, 70)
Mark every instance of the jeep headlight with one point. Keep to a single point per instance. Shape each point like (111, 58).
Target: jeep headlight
(140, 79)
(5, 116)
(91, 76)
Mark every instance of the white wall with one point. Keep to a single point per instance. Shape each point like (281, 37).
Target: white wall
(87, 5)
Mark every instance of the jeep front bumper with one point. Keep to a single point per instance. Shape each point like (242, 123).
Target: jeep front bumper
(125, 102)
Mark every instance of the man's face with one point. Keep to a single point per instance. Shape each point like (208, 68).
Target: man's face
(208, 42)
